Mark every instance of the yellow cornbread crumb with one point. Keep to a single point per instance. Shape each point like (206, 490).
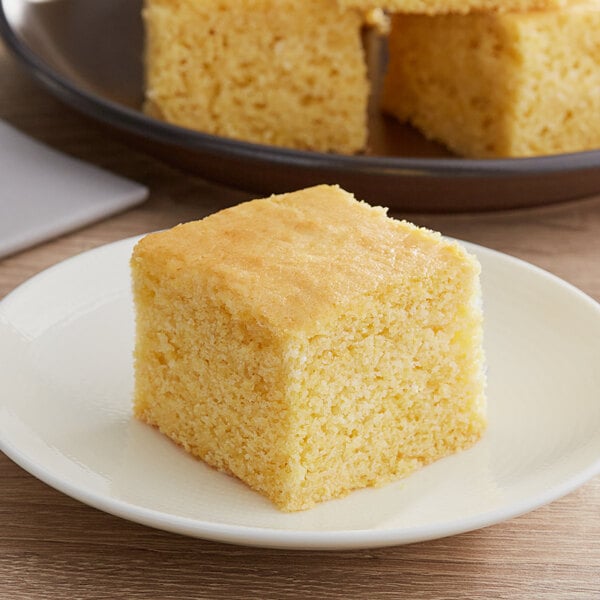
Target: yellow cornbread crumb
(278, 72)
(309, 344)
(499, 85)
(436, 7)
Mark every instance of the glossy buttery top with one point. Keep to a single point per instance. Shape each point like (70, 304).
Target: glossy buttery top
(291, 260)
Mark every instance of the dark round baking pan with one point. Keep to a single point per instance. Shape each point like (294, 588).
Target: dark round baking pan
(89, 54)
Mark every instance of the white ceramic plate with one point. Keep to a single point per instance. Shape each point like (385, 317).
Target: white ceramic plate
(66, 340)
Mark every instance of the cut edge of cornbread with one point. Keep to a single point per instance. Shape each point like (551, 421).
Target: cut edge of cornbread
(275, 72)
(499, 85)
(354, 371)
(441, 7)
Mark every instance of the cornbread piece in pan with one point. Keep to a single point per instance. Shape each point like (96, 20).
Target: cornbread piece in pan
(277, 72)
(503, 85)
(309, 344)
(437, 7)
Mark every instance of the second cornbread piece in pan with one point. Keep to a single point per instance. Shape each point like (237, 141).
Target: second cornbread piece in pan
(438, 7)
(499, 85)
(309, 344)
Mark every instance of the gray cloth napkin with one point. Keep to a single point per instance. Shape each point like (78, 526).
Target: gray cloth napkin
(44, 193)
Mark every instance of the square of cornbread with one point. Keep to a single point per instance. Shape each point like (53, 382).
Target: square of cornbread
(309, 344)
(437, 7)
(499, 85)
(278, 72)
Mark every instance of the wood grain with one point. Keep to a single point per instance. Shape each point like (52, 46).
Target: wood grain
(54, 547)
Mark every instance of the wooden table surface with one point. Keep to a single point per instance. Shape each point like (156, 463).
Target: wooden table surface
(54, 547)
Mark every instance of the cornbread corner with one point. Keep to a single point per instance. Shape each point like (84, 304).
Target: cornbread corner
(438, 7)
(499, 85)
(309, 344)
(278, 72)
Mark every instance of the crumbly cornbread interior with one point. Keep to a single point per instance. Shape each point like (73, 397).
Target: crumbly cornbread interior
(437, 7)
(277, 72)
(308, 344)
(499, 85)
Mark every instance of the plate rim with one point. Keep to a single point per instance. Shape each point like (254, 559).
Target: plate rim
(297, 539)
(136, 122)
